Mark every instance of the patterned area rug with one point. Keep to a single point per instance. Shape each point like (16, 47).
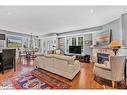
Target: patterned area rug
(38, 79)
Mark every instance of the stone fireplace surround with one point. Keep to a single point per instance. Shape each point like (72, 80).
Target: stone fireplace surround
(102, 58)
(101, 50)
(106, 50)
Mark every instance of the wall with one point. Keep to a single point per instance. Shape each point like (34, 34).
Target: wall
(61, 44)
(124, 29)
(87, 30)
(115, 26)
(81, 32)
(87, 48)
(119, 32)
(23, 36)
(118, 27)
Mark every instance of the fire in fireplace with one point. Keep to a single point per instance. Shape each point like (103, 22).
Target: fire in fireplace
(101, 57)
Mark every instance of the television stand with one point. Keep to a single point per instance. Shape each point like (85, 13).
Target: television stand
(81, 58)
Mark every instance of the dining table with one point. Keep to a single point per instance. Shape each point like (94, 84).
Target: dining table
(30, 53)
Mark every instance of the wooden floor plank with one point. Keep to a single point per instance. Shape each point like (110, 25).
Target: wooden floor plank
(83, 80)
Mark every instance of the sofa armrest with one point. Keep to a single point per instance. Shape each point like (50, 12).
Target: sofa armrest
(102, 66)
(77, 62)
(75, 65)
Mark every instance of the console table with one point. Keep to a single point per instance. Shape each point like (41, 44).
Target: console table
(82, 58)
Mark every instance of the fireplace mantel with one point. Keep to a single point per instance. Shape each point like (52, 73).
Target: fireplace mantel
(103, 50)
(100, 47)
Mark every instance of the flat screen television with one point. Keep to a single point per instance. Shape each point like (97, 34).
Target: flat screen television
(75, 49)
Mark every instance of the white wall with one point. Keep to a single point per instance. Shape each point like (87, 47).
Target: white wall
(23, 36)
(115, 26)
(118, 27)
(124, 29)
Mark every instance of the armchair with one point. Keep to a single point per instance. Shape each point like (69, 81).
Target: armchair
(114, 72)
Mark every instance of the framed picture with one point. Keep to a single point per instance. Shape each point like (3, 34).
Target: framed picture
(14, 41)
(103, 38)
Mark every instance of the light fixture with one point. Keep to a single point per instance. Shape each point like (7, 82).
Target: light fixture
(9, 13)
(115, 45)
(91, 11)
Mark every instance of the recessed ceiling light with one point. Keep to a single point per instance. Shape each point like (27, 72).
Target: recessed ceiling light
(91, 11)
(8, 13)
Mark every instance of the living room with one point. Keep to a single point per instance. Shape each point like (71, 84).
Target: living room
(47, 49)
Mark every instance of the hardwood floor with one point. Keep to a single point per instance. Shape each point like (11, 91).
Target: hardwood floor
(83, 80)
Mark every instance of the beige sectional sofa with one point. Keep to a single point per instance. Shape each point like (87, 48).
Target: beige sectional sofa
(62, 65)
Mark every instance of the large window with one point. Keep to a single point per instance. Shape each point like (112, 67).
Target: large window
(73, 41)
(80, 42)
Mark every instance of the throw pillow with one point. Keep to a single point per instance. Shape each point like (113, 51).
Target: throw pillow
(57, 51)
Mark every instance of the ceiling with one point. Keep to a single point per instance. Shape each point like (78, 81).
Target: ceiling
(41, 20)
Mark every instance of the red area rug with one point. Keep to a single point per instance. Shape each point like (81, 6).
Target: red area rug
(38, 79)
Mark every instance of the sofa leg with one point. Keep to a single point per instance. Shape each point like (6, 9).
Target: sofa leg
(113, 84)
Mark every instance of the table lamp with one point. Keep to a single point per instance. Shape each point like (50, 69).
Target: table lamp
(115, 45)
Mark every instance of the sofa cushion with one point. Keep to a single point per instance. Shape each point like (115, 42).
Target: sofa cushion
(63, 57)
(70, 59)
(102, 66)
(58, 52)
(49, 55)
(107, 64)
(39, 54)
(58, 64)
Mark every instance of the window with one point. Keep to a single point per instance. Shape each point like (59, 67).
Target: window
(80, 42)
(68, 43)
(73, 41)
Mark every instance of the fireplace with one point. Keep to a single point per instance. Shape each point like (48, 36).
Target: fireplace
(101, 57)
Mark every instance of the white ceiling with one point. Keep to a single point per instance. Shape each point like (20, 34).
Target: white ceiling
(41, 20)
